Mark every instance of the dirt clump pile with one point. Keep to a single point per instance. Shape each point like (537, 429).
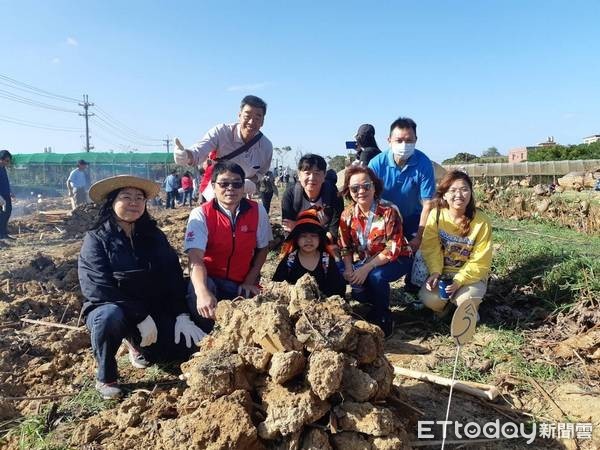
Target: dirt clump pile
(296, 370)
(81, 220)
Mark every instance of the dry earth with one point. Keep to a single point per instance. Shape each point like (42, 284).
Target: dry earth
(254, 391)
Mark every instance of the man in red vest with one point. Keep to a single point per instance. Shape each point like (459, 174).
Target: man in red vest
(227, 243)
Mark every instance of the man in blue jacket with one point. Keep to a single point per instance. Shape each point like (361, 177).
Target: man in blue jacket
(6, 196)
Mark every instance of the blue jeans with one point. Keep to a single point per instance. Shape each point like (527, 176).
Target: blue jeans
(171, 199)
(108, 327)
(377, 287)
(221, 288)
(187, 195)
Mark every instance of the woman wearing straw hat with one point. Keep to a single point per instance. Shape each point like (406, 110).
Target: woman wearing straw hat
(132, 283)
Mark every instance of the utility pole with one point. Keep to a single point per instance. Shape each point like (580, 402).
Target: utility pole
(86, 114)
(166, 143)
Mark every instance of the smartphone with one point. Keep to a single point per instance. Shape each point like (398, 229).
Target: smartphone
(351, 145)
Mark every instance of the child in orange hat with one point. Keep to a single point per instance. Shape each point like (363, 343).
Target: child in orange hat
(307, 249)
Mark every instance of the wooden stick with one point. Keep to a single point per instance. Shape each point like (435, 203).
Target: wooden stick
(484, 391)
(52, 324)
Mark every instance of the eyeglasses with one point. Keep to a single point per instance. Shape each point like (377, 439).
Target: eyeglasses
(355, 188)
(233, 184)
(463, 191)
(130, 199)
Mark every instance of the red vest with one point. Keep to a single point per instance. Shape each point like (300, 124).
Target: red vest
(229, 251)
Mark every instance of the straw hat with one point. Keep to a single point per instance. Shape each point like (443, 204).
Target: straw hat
(102, 188)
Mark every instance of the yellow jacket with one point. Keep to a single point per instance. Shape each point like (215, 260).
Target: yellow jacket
(445, 251)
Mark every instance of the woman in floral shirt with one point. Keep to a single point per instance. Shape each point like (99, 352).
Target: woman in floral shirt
(372, 243)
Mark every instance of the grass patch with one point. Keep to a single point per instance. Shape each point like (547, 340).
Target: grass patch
(33, 433)
(36, 432)
(503, 348)
(558, 266)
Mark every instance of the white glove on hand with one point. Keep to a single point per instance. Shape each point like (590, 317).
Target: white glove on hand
(148, 331)
(180, 154)
(2, 202)
(185, 326)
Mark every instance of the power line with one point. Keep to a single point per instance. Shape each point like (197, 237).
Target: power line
(16, 84)
(120, 125)
(28, 101)
(98, 121)
(28, 123)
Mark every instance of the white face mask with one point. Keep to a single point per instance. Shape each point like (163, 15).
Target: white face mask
(403, 150)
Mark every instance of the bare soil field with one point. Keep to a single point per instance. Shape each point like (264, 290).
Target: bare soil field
(289, 370)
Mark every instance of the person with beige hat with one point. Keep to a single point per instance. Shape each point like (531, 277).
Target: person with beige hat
(132, 282)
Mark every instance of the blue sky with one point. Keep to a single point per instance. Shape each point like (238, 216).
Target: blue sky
(472, 74)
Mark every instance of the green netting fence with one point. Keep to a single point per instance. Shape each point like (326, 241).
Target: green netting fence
(52, 169)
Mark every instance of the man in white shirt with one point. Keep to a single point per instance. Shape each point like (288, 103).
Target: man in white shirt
(227, 138)
(78, 184)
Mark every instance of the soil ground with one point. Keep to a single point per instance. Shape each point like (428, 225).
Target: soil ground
(46, 373)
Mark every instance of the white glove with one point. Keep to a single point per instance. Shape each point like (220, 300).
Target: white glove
(2, 202)
(180, 154)
(148, 331)
(185, 326)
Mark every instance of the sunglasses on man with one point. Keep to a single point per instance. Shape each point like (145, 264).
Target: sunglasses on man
(233, 184)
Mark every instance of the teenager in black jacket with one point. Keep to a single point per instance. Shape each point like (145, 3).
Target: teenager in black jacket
(312, 191)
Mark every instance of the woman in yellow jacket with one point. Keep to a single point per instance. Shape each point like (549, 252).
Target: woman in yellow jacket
(456, 246)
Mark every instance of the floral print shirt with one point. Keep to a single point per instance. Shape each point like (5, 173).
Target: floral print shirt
(385, 234)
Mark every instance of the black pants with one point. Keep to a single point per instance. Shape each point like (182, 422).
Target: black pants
(108, 327)
(5, 215)
(266, 200)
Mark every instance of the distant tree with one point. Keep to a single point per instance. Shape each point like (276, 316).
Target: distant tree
(337, 163)
(562, 152)
(282, 152)
(460, 158)
(491, 152)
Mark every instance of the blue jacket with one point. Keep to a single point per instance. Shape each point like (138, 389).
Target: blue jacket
(142, 279)
(4, 183)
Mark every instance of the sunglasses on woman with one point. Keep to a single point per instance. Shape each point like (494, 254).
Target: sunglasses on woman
(355, 188)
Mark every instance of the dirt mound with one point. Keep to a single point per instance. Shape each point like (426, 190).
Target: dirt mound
(275, 373)
(81, 219)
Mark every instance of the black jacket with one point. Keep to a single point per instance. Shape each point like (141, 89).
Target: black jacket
(141, 275)
(367, 154)
(333, 204)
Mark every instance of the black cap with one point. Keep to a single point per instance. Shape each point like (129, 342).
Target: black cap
(364, 130)
(82, 162)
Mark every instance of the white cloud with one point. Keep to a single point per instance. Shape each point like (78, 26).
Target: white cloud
(72, 41)
(247, 87)
(55, 60)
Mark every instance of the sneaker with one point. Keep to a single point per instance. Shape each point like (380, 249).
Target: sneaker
(109, 391)
(136, 358)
